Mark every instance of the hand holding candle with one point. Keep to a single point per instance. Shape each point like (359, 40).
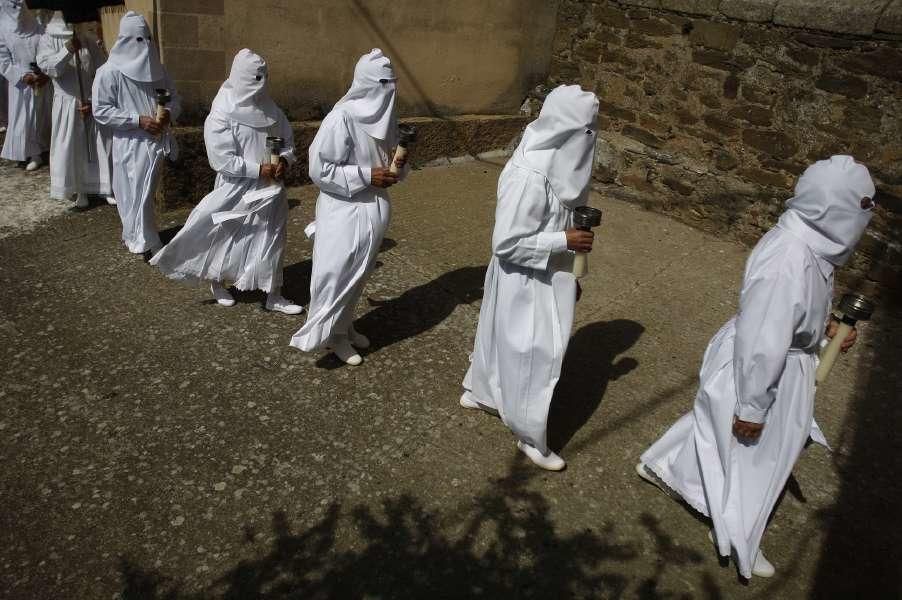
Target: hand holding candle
(407, 135)
(584, 219)
(852, 308)
(163, 99)
(275, 145)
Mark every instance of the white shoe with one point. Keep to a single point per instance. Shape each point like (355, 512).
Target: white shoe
(552, 462)
(358, 340)
(277, 303)
(763, 567)
(111, 200)
(466, 400)
(222, 295)
(35, 164)
(81, 201)
(346, 353)
(2, 128)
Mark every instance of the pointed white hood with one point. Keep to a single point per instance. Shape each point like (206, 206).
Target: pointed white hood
(244, 96)
(134, 53)
(826, 210)
(560, 144)
(57, 27)
(17, 18)
(371, 99)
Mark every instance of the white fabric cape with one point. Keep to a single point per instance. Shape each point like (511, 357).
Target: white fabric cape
(760, 367)
(370, 102)
(237, 232)
(28, 113)
(71, 170)
(351, 220)
(118, 102)
(244, 97)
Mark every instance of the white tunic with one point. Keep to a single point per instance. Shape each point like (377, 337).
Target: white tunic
(527, 306)
(237, 232)
(28, 129)
(118, 102)
(759, 367)
(72, 170)
(351, 220)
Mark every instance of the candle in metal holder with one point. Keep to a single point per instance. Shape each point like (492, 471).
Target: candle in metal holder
(584, 218)
(407, 135)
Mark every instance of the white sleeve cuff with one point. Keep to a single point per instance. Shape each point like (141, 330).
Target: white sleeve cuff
(751, 414)
(554, 241)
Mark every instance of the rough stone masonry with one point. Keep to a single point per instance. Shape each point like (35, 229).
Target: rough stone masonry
(711, 108)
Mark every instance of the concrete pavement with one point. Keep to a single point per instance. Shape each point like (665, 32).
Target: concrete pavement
(156, 445)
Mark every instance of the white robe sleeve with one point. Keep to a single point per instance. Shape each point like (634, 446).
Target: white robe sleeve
(222, 149)
(329, 155)
(53, 57)
(8, 68)
(523, 205)
(106, 109)
(765, 326)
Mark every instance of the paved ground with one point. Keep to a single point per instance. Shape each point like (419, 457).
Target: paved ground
(156, 445)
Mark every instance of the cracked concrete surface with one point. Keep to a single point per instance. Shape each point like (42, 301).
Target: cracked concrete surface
(156, 445)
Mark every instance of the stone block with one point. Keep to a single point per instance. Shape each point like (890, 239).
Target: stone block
(692, 7)
(610, 16)
(758, 94)
(203, 7)
(891, 19)
(634, 40)
(731, 86)
(681, 187)
(653, 27)
(617, 112)
(839, 16)
(722, 125)
(757, 11)
(179, 31)
(210, 32)
(720, 60)
(824, 41)
(845, 85)
(719, 36)
(804, 56)
(883, 62)
(725, 161)
(773, 143)
(643, 136)
(197, 65)
(755, 115)
(762, 177)
(588, 50)
(865, 118)
(644, 3)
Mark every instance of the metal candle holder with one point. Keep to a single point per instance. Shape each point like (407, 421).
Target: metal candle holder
(852, 308)
(164, 97)
(584, 219)
(275, 145)
(407, 135)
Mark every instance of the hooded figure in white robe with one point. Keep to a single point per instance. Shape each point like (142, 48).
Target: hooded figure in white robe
(530, 291)
(7, 24)
(352, 215)
(73, 169)
(237, 232)
(28, 129)
(759, 368)
(125, 91)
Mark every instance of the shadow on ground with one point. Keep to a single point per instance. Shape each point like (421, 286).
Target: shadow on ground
(865, 523)
(590, 364)
(505, 546)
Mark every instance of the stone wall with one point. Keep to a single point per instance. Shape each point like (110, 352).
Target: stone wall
(464, 57)
(711, 108)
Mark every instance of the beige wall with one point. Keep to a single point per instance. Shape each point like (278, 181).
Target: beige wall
(461, 57)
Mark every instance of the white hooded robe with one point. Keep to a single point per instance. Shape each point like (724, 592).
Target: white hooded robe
(124, 90)
(28, 129)
(71, 169)
(351, 215)
(760, 366)
(237, 232)
(530, 291)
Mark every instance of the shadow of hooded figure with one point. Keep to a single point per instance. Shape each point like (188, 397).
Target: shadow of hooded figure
(590, 364)
(417, 310)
